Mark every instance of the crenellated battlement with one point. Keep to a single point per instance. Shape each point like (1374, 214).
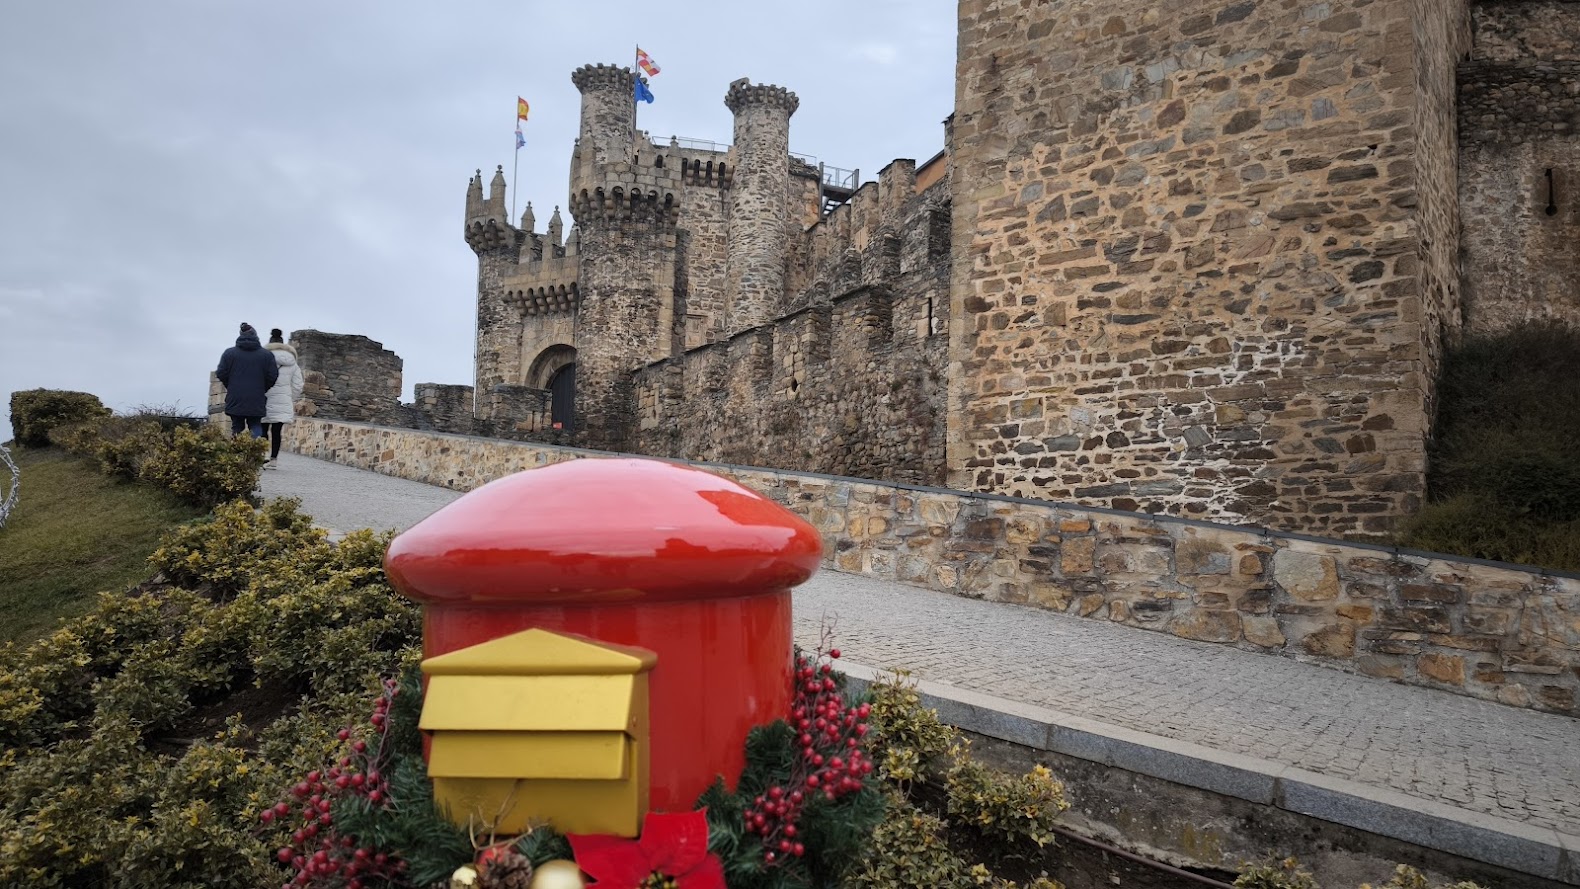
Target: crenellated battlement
(621, 205)
(601, 76)
(743, 94)
(545, 299)
(698, 173)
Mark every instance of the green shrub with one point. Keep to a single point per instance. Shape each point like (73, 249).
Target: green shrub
(909, 849)
(34, 412)
(205, 466)
(80, 438)
(1003, 807)
(909, 742)
(1503, 478)
(90, 794)
(238, 544)
(166, 416)
(199, 464)
(126, 445)
(1477, 525)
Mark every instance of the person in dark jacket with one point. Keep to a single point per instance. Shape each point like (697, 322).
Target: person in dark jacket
(247, 370)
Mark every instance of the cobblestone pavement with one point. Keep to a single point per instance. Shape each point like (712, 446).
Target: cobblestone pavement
(1517, 764)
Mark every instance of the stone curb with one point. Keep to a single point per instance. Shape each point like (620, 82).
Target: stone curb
(1538, 851)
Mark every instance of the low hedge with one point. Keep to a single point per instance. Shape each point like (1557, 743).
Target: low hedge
(202, 465)
(37, 412)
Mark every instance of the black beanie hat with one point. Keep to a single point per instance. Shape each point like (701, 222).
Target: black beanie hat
(275, 336)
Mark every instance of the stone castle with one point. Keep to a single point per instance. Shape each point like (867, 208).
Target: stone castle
(1194, 258)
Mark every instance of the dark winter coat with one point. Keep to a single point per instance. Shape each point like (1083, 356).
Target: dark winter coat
(247, 370)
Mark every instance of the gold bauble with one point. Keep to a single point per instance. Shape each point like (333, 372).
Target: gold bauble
(465, 877)
(558, 874)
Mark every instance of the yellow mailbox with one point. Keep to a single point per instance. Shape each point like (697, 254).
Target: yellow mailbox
(540, 727)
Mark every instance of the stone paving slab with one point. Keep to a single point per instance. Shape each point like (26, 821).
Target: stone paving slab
(1402, 742)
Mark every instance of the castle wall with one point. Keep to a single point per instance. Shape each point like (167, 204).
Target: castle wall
(1496, 632)
(1189, 257)
(703, 242)
(1442, 38)
(1518, 120)
(347, 377)
(448, 408)
(849, 382)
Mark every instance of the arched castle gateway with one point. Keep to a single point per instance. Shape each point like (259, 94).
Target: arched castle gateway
(1197, 259)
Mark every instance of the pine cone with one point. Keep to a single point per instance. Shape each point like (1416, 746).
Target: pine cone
(504, 869)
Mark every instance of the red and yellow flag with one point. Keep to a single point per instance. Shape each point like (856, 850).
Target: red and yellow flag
(521, 108)
(646, 61)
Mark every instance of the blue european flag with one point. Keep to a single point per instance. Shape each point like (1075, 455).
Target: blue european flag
(643, 94)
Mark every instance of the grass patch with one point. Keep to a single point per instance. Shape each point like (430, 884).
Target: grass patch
(74, 533)
(1503, 474)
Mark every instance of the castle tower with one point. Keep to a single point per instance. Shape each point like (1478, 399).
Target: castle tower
(625, 234)
(626, 284)
(497, 244)
(758, 212)
(608, 125)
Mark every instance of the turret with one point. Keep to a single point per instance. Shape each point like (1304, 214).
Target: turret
(573, 242)
(474, 198)
(556, 230)
(495, 205)
(758, 229)
(608, 121)
(499, 247)
(529, 222)
(487, 226)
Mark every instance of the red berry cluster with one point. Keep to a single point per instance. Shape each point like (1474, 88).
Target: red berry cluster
(318, 854)
(831, 758)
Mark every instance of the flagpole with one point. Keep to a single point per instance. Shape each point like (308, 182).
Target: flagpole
(635, 73)
(515, 167)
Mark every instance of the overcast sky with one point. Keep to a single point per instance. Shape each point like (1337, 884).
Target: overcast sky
(170, 168)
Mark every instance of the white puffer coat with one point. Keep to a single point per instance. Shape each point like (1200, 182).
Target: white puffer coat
(287, 389)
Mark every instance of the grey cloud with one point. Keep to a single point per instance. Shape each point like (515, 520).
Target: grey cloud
(169, 168)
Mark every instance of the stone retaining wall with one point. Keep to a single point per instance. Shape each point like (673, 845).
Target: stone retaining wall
(1492, 631)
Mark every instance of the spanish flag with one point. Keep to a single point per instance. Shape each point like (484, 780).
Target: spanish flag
(521, 108)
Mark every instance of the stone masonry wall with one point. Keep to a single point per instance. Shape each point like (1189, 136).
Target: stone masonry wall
(1442, 37)
(849, 381)
(1189, 258)
(827, 389)
(1520, 121)
(348, 377)
(1525, 32)
(1491, 631)
(448, 408)
(703, 230)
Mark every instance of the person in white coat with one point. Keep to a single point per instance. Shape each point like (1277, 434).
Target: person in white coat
(282, 395)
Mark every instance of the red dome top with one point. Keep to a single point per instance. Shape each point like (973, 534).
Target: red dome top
(603, 530)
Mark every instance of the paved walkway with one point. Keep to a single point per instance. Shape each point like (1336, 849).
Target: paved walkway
(1501, 761)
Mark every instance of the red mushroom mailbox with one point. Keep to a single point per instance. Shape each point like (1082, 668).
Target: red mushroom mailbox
(675, 560)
